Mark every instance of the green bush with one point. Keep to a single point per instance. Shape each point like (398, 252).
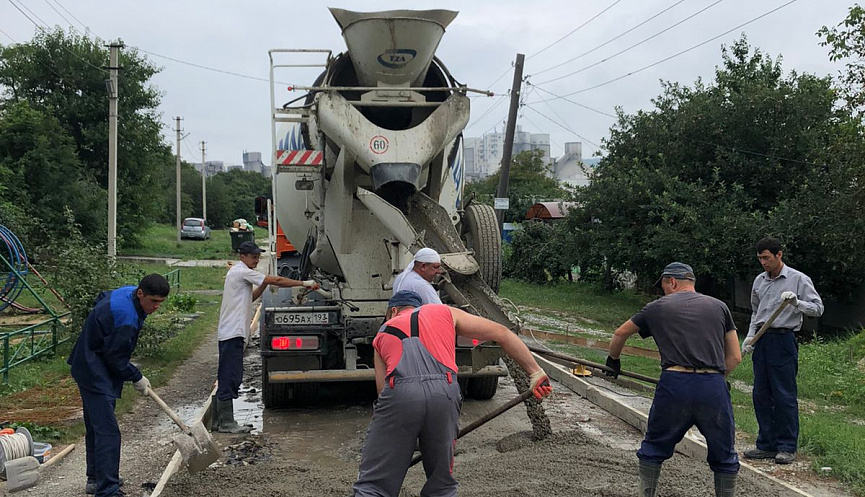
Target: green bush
(156, 331)
(181, 302)
(539, 253)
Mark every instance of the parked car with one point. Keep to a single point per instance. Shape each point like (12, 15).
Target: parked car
(194, 227)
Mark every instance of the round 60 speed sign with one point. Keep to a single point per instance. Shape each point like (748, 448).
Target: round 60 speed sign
(378, 144)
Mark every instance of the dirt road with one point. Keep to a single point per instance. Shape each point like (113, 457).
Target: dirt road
(315, 452)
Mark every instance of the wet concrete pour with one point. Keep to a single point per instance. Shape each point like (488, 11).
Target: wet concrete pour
(315, 452)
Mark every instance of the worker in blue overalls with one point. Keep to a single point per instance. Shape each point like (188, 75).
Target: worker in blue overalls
(697, 340)
(100, 366)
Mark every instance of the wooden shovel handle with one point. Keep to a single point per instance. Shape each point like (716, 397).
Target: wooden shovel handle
(173, 415)
(58, 456)
(769, 322)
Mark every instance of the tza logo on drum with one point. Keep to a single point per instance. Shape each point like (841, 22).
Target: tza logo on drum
(396, 58)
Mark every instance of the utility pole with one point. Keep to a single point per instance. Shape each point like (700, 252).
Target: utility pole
(177, 175)
(502, 193)
(113, 67)
(203, 185)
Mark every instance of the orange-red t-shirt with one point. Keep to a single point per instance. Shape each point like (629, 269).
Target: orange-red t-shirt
(437, 334)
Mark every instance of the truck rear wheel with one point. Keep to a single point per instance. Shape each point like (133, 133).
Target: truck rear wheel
(480, 232)
(482, 387)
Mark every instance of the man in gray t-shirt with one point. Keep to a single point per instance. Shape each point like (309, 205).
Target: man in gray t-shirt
(698, 344)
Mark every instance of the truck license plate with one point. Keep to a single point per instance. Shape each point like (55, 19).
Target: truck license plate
(301, 318)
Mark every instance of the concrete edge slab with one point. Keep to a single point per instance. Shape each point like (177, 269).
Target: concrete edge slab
(689, 446)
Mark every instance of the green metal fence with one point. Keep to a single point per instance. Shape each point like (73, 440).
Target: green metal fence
(28, 343)
(173, 278)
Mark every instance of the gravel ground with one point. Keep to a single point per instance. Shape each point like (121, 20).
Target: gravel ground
(315, 452)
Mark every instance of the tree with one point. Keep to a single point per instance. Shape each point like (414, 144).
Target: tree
(847, 42)
(529, 182)
(63, 75)
(714, 167)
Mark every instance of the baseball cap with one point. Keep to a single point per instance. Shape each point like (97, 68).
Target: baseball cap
(405, 298)
(249, 248)
(678, 270)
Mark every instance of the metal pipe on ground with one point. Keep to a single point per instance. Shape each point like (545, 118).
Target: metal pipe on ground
(485, 419)
(602, 367)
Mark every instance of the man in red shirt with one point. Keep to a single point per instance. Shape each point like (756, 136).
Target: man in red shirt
(419, 398)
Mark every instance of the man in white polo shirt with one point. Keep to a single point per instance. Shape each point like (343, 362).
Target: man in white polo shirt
(243, 285)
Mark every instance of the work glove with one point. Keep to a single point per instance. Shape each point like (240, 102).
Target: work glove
(791, 298)
(615, 365)
(311, 284)
(540, 384)
(747, 348)
(142, 385)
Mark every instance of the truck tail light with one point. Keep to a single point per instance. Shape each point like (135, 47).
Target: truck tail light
(294, 343)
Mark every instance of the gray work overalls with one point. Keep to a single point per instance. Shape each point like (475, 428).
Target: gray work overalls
(420, 403)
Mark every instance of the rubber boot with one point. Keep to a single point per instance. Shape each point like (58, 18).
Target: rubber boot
(725, 484)
(214, 415)
(649, 474)
(227, 424)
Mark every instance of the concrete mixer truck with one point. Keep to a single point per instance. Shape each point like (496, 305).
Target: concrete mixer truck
(368, 169)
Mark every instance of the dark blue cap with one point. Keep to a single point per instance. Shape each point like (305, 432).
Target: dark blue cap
(678, 270)
(249, 247)
(405, 298)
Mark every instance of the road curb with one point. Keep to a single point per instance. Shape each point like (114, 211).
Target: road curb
(689, 446)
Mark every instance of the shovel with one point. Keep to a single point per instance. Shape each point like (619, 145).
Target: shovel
(769, 322)
(196, 446)
(485, 418)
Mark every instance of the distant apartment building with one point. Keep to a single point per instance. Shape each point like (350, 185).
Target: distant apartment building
(483, 155)
(252, 163)
(211, 167)
(571, 168)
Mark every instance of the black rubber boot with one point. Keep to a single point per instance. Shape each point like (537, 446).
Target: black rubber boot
(725, 484)
(227, 424)
(214, 415)
(649, 474)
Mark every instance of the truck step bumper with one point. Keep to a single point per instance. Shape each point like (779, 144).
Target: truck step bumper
(333, 375)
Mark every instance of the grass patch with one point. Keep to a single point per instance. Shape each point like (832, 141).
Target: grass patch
(609, 310)
(831, 376)
(192, 278)
(43, 393)
(160, 240)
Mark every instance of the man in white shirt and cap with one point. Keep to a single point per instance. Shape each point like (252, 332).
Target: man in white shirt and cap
(418, 276)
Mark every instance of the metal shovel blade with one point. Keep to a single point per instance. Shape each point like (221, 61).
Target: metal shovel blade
(197, 449)
(21, 473)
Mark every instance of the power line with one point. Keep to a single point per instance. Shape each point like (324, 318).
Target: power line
(62, 16)
(86, 28)
(559, 97)
(767, 156)
(574, 30)
(492, 107)
(7, 36)
(61, 45)
(193, 64)
(695, 14)
(608, 41)
(680, 53)
(33, 13)
(564, 127)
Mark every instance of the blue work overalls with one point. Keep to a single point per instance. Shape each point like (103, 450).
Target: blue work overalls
(420, 404)
(100, 364)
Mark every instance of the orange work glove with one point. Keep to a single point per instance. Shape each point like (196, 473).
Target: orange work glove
(540, 384)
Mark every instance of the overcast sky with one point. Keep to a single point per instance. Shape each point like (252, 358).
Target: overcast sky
(231, 113)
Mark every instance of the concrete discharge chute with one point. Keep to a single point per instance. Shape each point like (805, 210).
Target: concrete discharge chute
(369, 169)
